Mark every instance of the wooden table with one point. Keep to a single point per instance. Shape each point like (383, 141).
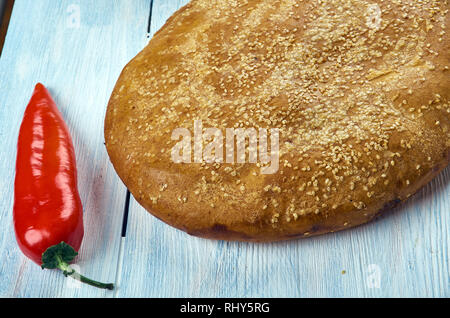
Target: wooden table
(78, 48)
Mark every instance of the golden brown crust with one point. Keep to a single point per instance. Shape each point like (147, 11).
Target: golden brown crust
(362, 107)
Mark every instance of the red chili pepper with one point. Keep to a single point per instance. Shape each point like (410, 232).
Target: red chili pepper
(48, 215)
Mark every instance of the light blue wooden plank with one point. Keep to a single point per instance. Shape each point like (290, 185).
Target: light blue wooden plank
(79, 60)
(404, 254)
(407, 250)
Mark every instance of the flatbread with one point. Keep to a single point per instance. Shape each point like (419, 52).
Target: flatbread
(358, 90)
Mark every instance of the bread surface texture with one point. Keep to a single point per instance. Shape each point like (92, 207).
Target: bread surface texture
(359, 91)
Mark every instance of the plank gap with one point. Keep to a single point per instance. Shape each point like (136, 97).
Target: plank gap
(149, 26)
(126, 210)
(118, 279)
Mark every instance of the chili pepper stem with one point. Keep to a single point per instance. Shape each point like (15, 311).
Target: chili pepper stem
(69, 271)
(59, 256)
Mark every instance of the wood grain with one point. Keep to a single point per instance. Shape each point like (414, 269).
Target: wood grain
(79, 60)
(407, 250)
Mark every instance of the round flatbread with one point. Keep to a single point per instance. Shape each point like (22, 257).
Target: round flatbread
(358, 92)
